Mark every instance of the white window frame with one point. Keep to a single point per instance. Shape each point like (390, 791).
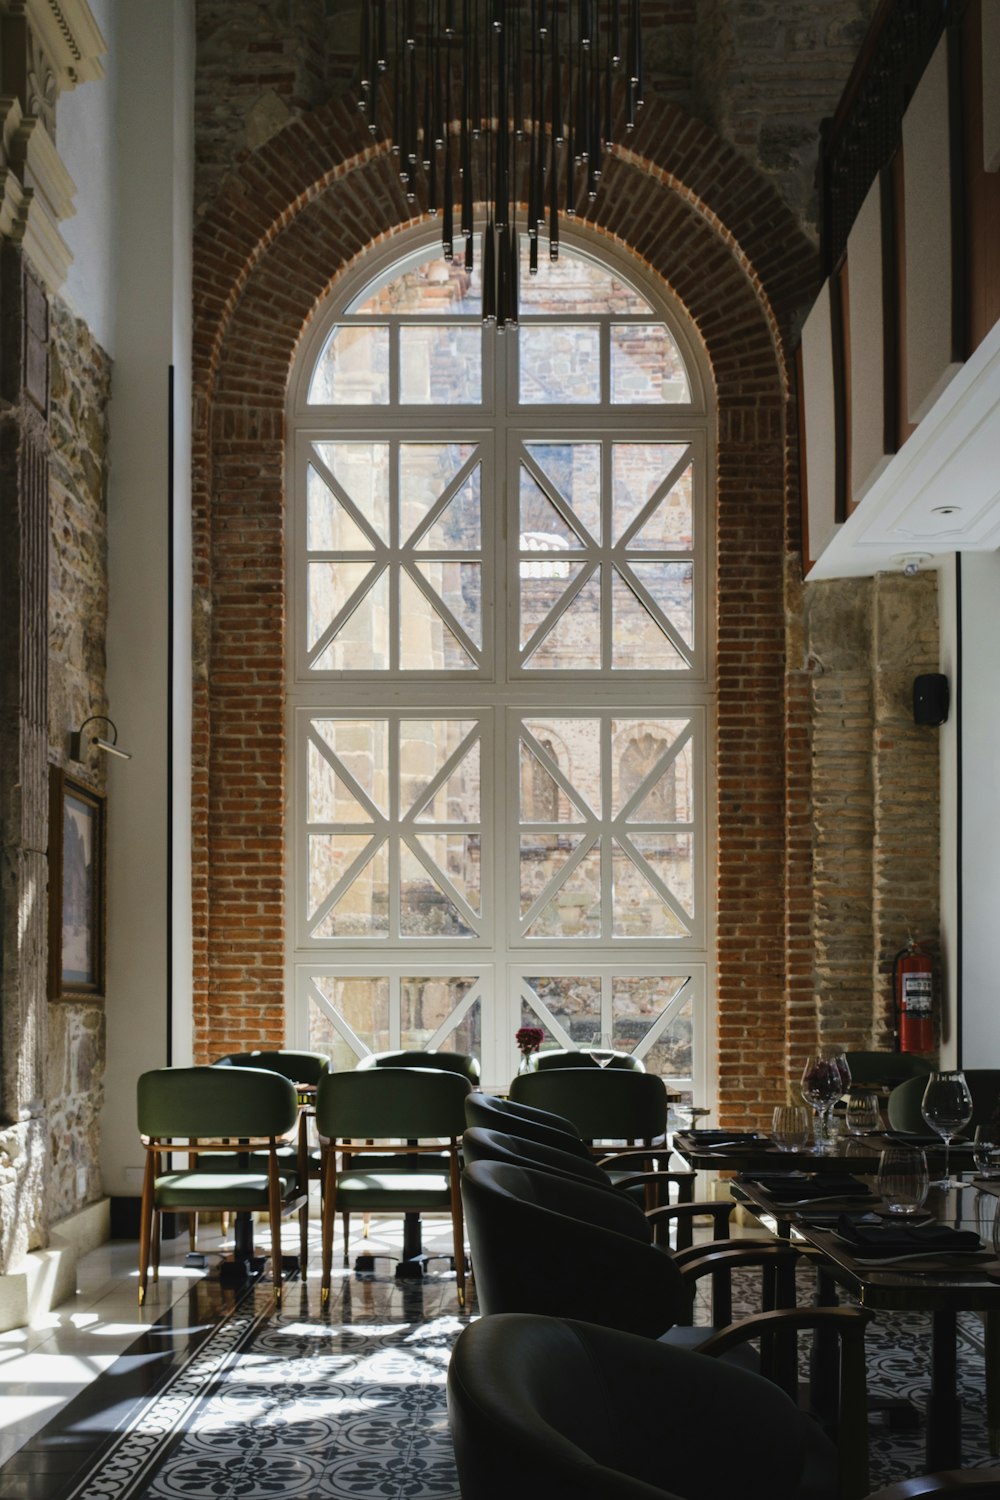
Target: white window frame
(497, 688)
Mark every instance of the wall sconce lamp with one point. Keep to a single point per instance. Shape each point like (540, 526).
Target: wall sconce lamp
(77, 751)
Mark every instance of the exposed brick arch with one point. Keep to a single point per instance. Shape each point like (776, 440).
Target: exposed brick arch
(265, 254)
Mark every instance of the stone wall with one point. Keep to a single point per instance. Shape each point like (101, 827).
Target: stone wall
(761, 73)
(78, 604)
(873, 798)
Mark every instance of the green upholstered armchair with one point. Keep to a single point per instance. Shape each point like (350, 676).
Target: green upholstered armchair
(607, 1105)
(579, 1057)
(451, 1062)
(241, 1117)
(414, 1112)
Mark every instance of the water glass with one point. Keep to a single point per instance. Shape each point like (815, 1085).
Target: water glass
(986, 1150)
(790, 1127)
(902, 1181)
(863, 1116)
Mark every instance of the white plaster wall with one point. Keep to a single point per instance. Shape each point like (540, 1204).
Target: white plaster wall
(980, 696)
(152, 291)
(85, 132)
(948, 664)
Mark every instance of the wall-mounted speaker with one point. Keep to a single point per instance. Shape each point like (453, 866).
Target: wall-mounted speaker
(930, 698)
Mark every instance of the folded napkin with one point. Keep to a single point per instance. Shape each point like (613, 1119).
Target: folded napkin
(873, 1241)
(724, 1137)
(914, 1138)
(785, 1187)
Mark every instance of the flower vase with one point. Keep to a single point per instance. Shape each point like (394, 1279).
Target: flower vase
(524, 1066)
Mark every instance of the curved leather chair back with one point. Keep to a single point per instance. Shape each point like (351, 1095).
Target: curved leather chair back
(547, 1244)
(870, 1069)
(379, 1103)
(905, 1100)
(299, 1067)
(551, 1406)
(579, 1057)
(601, 1104)
(526, 1123)
(492, 1145)
(209, 1101)
(449, 1062)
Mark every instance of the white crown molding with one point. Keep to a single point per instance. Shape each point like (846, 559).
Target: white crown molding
(68, 34)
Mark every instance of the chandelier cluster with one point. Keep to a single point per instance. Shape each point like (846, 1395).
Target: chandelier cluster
(500, 102)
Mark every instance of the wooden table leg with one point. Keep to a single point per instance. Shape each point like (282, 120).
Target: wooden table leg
(992, 1372)
(944, 1412)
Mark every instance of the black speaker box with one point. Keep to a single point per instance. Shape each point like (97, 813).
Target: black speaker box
(930, 698)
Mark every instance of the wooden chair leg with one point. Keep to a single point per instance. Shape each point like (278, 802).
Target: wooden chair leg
(347, 1235)
(192, 1232)
(329, 1207)
(457, 1224)
(274, 1216)
(304, 1240)
(156, 1245)
(146, 1224)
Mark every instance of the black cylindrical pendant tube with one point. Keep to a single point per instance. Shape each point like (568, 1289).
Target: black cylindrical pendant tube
(448, 225)
(489, 274)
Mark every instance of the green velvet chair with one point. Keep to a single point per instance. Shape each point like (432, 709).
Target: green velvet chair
(579, 1057)
(413, 1112)
(606, 1105)
(452, 1062)
(602, 1103)
(304, 1069)
(241, 1118)
(300, 1067)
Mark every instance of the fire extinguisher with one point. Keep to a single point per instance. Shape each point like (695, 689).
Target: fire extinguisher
(913, 999)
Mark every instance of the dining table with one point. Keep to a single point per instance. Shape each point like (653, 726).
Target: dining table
(849, 1233)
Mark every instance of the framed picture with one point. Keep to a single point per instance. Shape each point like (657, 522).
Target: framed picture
(76, 888)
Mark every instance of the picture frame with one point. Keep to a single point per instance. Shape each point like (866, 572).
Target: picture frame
(77, 851)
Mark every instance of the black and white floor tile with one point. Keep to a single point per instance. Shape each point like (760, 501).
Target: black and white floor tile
(347, 1402)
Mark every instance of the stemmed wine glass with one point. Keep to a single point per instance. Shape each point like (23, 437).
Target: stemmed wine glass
(947, 1109)
(603, 1049)
(822, 1085)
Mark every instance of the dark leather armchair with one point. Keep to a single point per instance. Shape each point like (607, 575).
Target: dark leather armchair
(906, 1098)
(494, 1145)
(564, 1248)
(542, 1406)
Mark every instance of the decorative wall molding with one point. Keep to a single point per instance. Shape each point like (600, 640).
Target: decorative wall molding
(47, 46)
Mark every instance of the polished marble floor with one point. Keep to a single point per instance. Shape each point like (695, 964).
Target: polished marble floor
(206, 1392)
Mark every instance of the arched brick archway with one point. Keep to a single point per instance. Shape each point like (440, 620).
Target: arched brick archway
(265, 254)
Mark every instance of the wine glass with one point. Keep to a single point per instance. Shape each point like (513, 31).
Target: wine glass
(603, 1049)
(947, 1109)
(822, 1085)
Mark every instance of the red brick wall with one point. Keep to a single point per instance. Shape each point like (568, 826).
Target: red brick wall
(303, 207)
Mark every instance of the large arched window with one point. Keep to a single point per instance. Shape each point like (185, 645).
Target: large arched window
(500, 557)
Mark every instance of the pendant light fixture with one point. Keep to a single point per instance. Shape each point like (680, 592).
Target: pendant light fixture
(500, 102)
